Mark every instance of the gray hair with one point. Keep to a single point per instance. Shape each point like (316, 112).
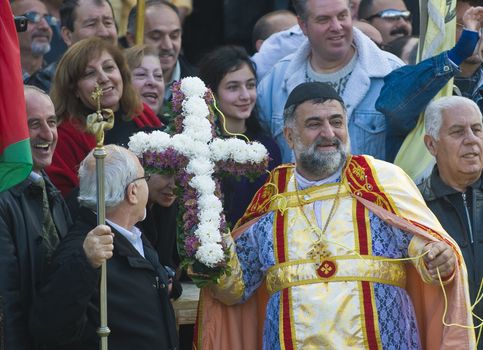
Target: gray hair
(289, 112)
(33, 88)
(433, 116)
(120, 169)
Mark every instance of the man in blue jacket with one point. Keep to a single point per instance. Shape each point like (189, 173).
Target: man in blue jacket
(337, 54)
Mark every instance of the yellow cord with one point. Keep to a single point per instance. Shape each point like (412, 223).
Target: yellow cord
(282, 202)
(223, 119)
(456, 324)
(283, 207)
(367, 261)
(480, 296)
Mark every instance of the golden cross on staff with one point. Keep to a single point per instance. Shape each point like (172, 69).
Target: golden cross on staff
(102, 119)
(97, 123)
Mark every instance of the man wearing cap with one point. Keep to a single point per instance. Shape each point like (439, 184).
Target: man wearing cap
(338, 54)
(337, 239)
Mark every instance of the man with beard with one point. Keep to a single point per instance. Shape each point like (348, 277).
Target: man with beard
(408, 90)
(329, 236)
(80, 19)
(390, 17)
(35, 41)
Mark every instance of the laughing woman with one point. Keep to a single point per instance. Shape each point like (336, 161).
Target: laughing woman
(87, 64)
(230, 74)
(147, 75)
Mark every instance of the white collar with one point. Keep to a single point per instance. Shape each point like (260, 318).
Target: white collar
(132, 235)
(304, 183)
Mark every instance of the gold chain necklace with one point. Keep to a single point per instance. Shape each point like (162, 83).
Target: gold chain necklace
(319, 251)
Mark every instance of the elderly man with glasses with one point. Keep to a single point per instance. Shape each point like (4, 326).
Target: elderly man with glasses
(140, 315)
(35, 41)
(390, 17)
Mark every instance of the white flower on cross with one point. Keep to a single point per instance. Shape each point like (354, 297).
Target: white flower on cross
(202, 151)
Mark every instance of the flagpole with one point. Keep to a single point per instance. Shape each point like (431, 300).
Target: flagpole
(140, 21)
(96, 124)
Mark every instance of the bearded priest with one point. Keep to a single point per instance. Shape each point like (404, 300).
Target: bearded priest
(337, 251)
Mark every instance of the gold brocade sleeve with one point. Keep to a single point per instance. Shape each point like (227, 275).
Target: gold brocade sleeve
(230, 287)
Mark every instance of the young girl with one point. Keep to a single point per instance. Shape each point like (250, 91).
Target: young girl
(230, 74)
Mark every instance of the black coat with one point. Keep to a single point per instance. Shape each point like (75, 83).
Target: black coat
(21, 259)
(139, 312)
(159, 227)
(448, 206)
(43, 78)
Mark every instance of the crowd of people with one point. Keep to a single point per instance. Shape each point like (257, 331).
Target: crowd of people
(336, 248)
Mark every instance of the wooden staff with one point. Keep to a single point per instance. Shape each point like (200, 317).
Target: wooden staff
(97, 122)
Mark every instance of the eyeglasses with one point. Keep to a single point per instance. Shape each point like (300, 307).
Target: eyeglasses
(35, 17)
(145, 177)
(392, 15)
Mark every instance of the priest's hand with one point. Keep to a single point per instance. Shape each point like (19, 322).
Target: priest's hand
(98, 245)
(440, 256)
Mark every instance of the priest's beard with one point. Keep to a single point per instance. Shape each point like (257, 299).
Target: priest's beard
(321, 164)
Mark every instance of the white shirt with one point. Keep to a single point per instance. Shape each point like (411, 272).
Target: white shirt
(303, 183)
(133, 236)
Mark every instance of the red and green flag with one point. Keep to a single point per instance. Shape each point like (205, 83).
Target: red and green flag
(15, 155)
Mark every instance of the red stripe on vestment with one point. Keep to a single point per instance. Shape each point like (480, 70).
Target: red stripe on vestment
(286, 321)
(362, 229)
(369, 316)
(280, 220)
(363, 182)
(367, 300)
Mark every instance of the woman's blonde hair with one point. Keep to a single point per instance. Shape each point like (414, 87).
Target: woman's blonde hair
(134, 55)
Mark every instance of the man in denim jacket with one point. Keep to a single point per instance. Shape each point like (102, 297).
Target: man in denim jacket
(337, 54)
(409, 89)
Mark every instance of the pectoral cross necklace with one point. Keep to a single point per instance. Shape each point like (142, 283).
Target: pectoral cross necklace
(325, 267)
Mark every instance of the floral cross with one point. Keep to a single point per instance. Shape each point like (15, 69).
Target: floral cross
(195, 155)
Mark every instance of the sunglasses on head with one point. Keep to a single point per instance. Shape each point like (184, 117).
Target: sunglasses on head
(392, 15)
(36, 17)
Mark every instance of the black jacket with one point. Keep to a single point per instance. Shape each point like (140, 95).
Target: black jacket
(159, 227)
(43, 78)
(139, 312)
(21, 259)
(449, 207)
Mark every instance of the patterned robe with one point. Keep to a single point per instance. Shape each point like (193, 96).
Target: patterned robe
(354, 296)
